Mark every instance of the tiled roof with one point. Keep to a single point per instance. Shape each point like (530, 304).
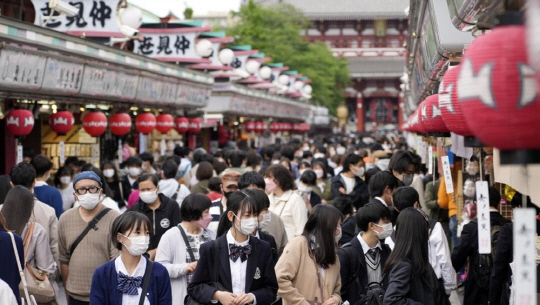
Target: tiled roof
(376, 67)
(347, 9)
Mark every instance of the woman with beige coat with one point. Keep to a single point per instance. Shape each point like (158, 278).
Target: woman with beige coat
(308, 270)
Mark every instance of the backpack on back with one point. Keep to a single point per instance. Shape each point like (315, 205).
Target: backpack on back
(483, 263)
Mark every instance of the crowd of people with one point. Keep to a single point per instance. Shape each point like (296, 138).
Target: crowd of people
(354, 220)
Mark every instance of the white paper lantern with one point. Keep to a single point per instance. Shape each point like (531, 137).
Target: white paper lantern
(226, 56)
(265, 72)
(298, 85)
(307, 89)
(203, 48)
(131, 17)
(252, 66)
(283, 79)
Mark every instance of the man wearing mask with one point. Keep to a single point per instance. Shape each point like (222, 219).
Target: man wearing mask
(349, 182)
(84, 238)
(163, 212)
(229, 185)
(402, 166)
(147, 163)
(44, 192)
(134, 170)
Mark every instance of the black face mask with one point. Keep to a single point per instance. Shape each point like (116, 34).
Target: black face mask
(227, 194)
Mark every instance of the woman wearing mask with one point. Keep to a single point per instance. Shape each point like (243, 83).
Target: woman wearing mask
(306, 189)
(17, 209)
(121, 280)
(349, 183)
(286, 203)
(174, 253)
(63, 181)
(411, 278)
(323, 183)
(113, 181)
(245, 269)
(308, 269)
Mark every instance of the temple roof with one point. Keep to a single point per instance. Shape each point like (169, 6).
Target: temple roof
(376, 67)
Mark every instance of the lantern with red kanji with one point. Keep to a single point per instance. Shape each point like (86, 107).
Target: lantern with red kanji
(451, 111)
(274, 127)
(195, 125)
(145, 123)
(260, 126)
(20, 122)
(95, 123)
(61, 122)
(250, 126)
(498, 91)
(120, 124)
(164, 123)
(181, 124)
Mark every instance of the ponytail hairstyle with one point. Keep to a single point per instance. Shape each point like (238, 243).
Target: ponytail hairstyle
(239, 202)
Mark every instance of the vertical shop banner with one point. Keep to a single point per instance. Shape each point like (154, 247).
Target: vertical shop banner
(525, 256)
(95, 154)
(483, 216)
(430, 160)
(447, 174)
(62, 152)
(19, 154)
(163, 147)
(96, 18)
(120, 152)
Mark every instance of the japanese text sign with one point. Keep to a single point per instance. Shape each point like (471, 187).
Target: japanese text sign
(482, 208)
(525, 256)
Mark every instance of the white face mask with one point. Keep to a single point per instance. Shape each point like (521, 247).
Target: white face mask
(319, 173)
(134, 171)
(108, 173)
(139, 245)
(265, 221)
(318, 155)
(387, 230)
(247, 225)
(382, 164)
(359, 172)
(65, 179)
(89, 201)
(304, 188)
(340, 150)
(148, 197)
(300, 172)
(275, 161)
(337, 238)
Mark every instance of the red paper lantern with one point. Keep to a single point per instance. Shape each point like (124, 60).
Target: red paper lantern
(287, 127)
(164, 123)
(431, 115)
(306, 127)
(274, 127)
(145, 123)
(195, 125)
(260, 126)
(451, 111)
(120, 124)
(95, 123)
(20, 122)
(181, 125)
(61, 122)
(250, 126)
(498, 92)
(297, 127)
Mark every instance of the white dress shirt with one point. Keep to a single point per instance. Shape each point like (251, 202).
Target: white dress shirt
(238, 268)
(139, 271)
(365, 246)
(381, 200)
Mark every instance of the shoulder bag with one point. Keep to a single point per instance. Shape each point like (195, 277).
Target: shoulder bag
(30, 298)
(147, 275)
(91, 225)
(189, 300)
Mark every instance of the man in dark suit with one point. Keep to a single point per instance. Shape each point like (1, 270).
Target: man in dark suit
(381, 189)
(363, 259)
(129, 181)
(476, 287)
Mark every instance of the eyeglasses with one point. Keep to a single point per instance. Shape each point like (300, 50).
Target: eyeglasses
(83, 190)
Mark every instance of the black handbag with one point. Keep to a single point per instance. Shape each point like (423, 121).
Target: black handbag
(189, 300)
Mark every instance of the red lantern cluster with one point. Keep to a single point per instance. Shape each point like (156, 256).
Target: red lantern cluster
(164, 123)
(286, 126)
(430, 116)
(274, 127)
(95, 123)
(61, 122)
(181, 124)
(195, 125)
(120, 124)
(20, 122)
(260, 126)
(145, 123)
(250, 126)
(451, 111)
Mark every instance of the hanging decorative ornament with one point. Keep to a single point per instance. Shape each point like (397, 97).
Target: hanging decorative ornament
(145, 123)
(451, 111)
(164, 123)
(61, 122)
(95, 123)
(250, 126)
(432, 118)
(20, 122)
(195, 125)
(181, 124)
(120, 124)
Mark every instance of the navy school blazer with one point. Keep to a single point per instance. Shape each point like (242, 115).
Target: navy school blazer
(262, 284)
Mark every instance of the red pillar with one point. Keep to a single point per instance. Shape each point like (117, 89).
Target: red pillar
(360, 112)
(400, 110)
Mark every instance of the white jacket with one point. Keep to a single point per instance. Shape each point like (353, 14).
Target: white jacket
(292, 210)
(169, 187)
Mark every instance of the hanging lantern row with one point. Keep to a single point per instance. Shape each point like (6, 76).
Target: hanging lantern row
(276, 127)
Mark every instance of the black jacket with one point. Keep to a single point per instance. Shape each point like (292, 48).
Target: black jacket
(349, 288)
(501, 272)
(260, 277)
(370, 173)
(166, 216)
(350, 230)
(128, 187)
(359, 195)
(404, 287)
(272, 242)
(468, 249)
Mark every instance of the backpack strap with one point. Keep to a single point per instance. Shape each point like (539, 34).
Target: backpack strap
(176, 193)
(186, 241)
(91, 225)
(353, 264)
(28, 238)
(147, 275)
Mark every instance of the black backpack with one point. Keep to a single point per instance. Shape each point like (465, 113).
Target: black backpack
(375, 291)
(483, 263)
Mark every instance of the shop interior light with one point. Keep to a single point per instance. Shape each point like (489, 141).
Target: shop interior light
(133, 108)
(81, 109)
(147, 109)
(235, 123)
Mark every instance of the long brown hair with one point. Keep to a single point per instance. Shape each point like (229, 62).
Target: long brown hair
(17, 208)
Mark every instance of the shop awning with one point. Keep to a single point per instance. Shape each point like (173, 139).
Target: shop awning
(42, 63)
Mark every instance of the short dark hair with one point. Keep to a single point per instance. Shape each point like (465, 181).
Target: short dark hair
(235, 157)
(181, 151)
(125, 224)
(214, 183)
(251, 178)
(205, 171)
(170, 168)
(287, 151)
(62, 171)
(252, 159)
(380, 181)
(133, 161)
(401, 160)
(405, 197)
(371, 212)
(208, 158)
(146, 177)
(42, 164)
(267, 151)
(262, 200)
(494, 197)
(309, 177)
(23, 174)
(198, 153)
(146, 156)
(343, 204)
(28, 152)
(193, 206)
(351, 159)
(72, 160)
(282, 176)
